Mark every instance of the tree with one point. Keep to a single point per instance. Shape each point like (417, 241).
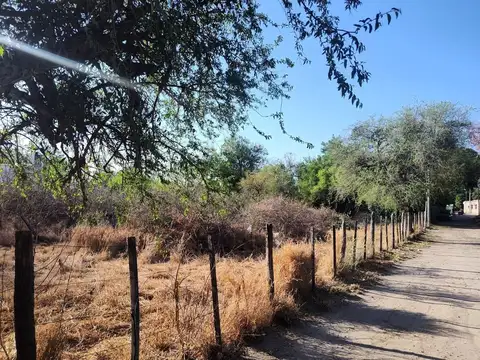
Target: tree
(193, 68)
(475, 135)
(237, 157)
(315, 181)
(271, 180)
(392, 163)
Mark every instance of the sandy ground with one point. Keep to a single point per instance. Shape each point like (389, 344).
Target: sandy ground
(427, 307)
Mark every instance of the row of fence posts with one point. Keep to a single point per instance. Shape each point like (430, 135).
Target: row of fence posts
(402, 226)
(24, 317)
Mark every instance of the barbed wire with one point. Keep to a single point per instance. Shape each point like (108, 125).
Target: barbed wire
(81, 317)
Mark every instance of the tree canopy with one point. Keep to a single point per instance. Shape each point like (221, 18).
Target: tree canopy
(199, 67)
(236, 158)
(392, 163)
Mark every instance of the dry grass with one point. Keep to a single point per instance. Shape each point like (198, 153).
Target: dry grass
(83, 302)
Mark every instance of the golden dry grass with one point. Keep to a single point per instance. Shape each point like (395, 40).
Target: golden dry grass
(83, 304)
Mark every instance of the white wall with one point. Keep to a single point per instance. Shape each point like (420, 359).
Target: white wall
(471, 207)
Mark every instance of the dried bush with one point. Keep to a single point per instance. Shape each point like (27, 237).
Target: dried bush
(105, 238)
(36, 207)
(289, 217)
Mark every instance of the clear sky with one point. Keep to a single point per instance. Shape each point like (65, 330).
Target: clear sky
(430, 53)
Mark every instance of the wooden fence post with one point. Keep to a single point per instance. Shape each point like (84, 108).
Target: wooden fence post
(134, 300)
(354, 255)
(393, 231)
(365, 239)
(399, 239)
(386, 232)
(334, 230)
(312, 239)
(402, 226)
(344, 241)
(409, 223)
(381, 234)
(23, 297)
(372, 232)
(213, 279)
(271, 282)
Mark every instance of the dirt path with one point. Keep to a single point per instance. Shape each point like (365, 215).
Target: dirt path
(426, 308)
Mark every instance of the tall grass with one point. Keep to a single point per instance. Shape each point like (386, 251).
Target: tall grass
(83, 304)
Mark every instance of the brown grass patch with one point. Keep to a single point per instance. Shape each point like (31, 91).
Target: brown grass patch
(88, 295)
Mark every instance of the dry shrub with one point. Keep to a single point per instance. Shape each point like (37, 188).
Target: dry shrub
(7, 235)
(51, 341)
(293, 268)
(105, 238)
(184, 218)
(290, 217)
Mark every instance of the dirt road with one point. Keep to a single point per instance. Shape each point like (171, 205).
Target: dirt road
(427, 307)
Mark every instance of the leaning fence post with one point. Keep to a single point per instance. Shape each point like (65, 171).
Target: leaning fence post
(354, 255)
(23, 297)
(213, 279)
(372, 232)
(312, 240)
(381, 234)
(134, 300)
(393, 231)
(334, 244)
(365, 239)
(344, 241)
(271, 283)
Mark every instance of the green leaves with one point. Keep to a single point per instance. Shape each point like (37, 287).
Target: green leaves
(2, 50)
(207, 64)
(390, 163)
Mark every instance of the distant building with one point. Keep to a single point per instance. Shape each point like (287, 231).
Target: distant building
(471, 207)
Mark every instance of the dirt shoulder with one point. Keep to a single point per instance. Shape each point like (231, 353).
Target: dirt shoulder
(427, 307)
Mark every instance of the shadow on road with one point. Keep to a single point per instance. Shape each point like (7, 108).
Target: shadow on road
(316, 338)
(321, 336)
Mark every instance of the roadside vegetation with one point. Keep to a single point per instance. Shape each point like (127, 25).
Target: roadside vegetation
(87, 160)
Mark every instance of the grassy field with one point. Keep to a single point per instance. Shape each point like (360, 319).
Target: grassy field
(83, 302)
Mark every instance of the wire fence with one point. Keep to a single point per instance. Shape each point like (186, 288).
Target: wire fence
(80, 302)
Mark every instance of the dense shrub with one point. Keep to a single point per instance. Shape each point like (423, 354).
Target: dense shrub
(289, 217)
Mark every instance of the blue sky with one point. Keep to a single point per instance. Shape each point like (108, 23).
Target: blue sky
(430, 53)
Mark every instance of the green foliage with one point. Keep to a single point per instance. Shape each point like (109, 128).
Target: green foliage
(316, 179)
(203, 66)
(459, 199)
(476, 194)
(269, 181)
(236, 158)
(392, 163)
